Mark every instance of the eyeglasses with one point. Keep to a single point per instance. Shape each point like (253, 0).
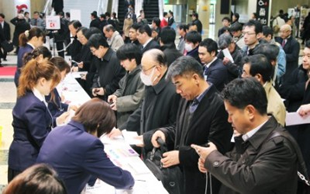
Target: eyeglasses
(248, 33)
(145, 70)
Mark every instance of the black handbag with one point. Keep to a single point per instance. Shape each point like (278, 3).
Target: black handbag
(7, 46)
(171, 177)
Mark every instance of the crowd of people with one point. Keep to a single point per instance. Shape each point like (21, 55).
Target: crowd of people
(217, 104)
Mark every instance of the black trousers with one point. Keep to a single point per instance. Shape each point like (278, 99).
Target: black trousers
(60, 47)
(12, 174)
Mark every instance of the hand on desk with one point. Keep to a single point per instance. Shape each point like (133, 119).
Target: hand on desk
(98, 91)
(74, 69)
(115, 132)
(140, 138)
(62, 118)
(170, 158)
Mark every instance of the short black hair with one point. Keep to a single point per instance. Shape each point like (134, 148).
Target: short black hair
(75, 23)
(259, 64)
(226, 18)
(183, 66)
(97, 40)
(94, 14)
(258, 26)
(237, 16)
(91, 31)
(171, 13)
(210, 45)
(68, 14)
(255, 14)
(271, 51)
(167, 35)
(2, 15)
(193, 36)
(240, 93)
(267, 31)
(308, 43)
(183, 27)
(164, 14)
(235, 27)
(145, 28)
(135, 26)
(84, 30)
(156, 20)
(129, 51)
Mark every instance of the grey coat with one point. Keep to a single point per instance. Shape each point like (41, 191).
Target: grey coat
(129, 95)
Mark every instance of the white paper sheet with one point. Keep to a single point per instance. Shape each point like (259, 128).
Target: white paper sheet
(293, 118)
(228, 55)
(130, 137)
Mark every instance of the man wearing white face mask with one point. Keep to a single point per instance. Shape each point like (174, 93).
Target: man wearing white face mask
(192, 40)
(160, 104)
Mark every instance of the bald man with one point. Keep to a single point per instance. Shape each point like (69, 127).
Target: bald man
(291, 48)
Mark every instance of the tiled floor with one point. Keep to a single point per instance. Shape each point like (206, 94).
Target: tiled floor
(7, 102)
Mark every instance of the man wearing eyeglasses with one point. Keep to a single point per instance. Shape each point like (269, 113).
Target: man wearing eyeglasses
(109, 71)
(252, 32)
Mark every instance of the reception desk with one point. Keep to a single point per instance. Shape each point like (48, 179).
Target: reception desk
(118, 150)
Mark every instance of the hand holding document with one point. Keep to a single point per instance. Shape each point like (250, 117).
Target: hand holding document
(228, 55)
(294, 118)
(132, 138)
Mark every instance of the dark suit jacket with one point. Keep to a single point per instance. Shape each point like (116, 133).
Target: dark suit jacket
(291, 49)
(58, 5)
(76, 155)
(109, 73)
(20, 27)
(268, 165)
(158, 109)
(217, 74)
(5, 33)
(20, 55)
(56, 107)
(151, 45)
(208, 123)
(95, 23)
(171, 53)
(31, 123)
(194, 53)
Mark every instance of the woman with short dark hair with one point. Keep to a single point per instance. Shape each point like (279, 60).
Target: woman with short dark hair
(37, 179)
(76, 153)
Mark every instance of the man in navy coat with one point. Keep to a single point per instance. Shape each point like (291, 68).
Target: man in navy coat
(215, 71)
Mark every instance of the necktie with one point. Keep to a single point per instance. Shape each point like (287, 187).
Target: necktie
(205, 72)
(283, 43)
(193, 105)
(35, 22)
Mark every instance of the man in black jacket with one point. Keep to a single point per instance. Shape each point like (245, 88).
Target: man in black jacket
(160, 104)
(197, 22)
(144, 36)
(167, 38)
(5, 35)
(264, 159)
(109, 71)
(201, 117)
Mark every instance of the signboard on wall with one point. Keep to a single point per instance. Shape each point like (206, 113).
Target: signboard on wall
(262, 11)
